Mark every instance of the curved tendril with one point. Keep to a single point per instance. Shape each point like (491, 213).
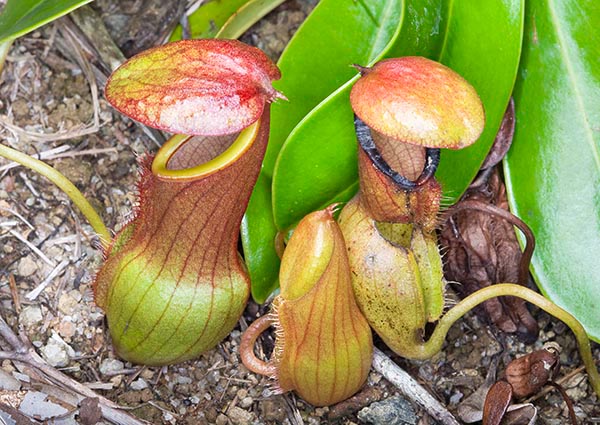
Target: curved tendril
(65, 185)
(432, 159)
(436, 341)
(249, 338)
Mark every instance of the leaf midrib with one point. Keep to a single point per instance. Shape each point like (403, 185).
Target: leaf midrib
(388, 11)
(574, 81)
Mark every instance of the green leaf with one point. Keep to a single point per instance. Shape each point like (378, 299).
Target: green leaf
(483, 44)
(22, 16)
(258, 241)
(317, 164)
(246, 16)
(316, 61)
(208, 19)
(553, 167)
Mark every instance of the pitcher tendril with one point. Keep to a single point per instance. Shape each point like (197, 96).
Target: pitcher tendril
(65, 185)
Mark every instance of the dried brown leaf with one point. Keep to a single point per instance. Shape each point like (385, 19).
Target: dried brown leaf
(496, 402)
(528, 374)
(482, 249)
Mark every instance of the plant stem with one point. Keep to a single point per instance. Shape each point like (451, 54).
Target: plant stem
(434, 344)
(65, 185)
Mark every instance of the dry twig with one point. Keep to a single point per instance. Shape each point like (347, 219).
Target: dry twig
(34, 293)
(411, 388)
(34, 248)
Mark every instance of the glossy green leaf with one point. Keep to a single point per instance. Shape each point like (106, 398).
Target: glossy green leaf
(258, 240)
(553, 167)
(208, 19)
(316, 61)
(483, 44)
(22, 16)
(245, 17)
(317, 164)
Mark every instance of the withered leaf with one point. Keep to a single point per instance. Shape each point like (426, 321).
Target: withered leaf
(482, 249)
(531, 372)
(496, 402)
(520, 414)
(471, 409)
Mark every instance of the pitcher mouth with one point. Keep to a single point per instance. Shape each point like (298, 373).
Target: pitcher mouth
(367, 144)
(172, 162)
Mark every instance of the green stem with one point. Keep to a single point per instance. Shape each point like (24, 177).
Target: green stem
(434, 344)
(65, 185)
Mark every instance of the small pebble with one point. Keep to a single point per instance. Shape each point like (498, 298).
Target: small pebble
(57, 352)
(31, 315)
(26, 267)
(374, 378)
(183, 380)
(139, 384)
(67, 303)
(147, 374)
(392, 411)
(111, 366)
(66, 329)
(213, 376)
(455, 398)
(321, 411)
(222, 420)
(116, 380)
(239, 416)
(246, 402)
(273, 409)
(8, 382)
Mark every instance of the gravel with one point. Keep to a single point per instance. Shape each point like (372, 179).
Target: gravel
(392, 411)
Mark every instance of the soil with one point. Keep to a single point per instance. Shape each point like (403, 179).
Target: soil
(44, 240)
